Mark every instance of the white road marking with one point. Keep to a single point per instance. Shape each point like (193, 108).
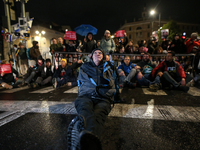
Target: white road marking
(14, 90)
(194, 91)
(44, 90)
(159, 92)
(72, 90)
(150, 108)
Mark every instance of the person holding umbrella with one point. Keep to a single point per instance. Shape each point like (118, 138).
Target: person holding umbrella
(89, 43)
(107, 43)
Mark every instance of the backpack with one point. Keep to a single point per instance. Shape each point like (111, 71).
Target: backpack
(28, 54)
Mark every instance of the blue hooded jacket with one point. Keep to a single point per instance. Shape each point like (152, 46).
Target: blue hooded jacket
(126, 68)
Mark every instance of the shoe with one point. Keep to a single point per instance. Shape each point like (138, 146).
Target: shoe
(7, 86)
(191, 83)
(54, 83)
(34, 85)
(74, 129)
(130, 84)
(89, 141)
(183, 88)
(154, 87)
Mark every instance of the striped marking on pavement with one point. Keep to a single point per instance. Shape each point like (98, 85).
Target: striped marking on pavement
(194, 91)
(72, 90)
(14, 90)
(44, 90)
(159, 92)
(149, 111)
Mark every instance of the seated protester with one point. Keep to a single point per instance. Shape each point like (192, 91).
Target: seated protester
(7, 78)
(33, 72)
(46, 75)
(126, 72)
(96, 91)
(194, 81)
(63, 75)
(144, 69)
(171, 73)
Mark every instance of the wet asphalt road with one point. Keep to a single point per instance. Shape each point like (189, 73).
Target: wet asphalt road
(166, 120)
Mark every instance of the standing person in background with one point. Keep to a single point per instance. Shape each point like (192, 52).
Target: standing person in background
(193, 41)
(21, 52)
(129, 48)
(178, 45)
(55, 47)
(34, 51)
(152, 45)
(61, 45)
(89, 43)
(107, 43)
(123, 40)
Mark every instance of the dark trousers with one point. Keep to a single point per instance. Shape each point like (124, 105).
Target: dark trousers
(167, 79)
(94, 111)
(45, 81)
(64, 81)
(30, 77)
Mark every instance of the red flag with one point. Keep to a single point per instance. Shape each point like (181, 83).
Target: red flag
(120, 33)
(6, 68)
(70, 35)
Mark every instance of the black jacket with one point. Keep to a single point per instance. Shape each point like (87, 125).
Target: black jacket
(63, 72)
(179, 47)
(89, 46)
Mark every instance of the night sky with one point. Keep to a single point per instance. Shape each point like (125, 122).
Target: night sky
(109, 14)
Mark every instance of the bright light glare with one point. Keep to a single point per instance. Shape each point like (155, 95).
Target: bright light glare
(37, 32)
(112, 36)
(152, 12)
(43, 32)
(37, 38)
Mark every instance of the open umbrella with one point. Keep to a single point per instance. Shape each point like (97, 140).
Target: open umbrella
(84, 29)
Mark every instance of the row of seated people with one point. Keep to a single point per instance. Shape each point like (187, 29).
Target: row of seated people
(145, 73)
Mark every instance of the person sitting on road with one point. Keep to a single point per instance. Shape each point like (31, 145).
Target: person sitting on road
(144, 69)
(34, 71)
(64, 75)
(46, 75)
(126, 72)
(96, 81)
(7, 78)
(171, 73)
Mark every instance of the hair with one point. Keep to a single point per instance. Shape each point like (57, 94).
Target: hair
(195, 34)
(20, 44)
(10, 60)
(3, 62)
(54, 38)
(59, 37)
(171, 52)
(121, 46)
(127, 56)
(159, 48)
(15, 45)
(147, 54)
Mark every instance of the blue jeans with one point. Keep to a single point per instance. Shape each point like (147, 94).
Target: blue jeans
(145, 81)
(128, 78)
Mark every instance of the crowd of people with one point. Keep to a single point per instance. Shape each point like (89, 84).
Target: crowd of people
(108, 69)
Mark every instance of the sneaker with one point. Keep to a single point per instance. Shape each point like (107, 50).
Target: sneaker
(130, 84)
(7, 86)
(55, 83)
(74, 129)
(191, 83)
(89, 141)
(154, 87)
(183, 88)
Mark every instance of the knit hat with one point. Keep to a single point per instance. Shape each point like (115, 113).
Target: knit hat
(64, 60)
(107, 31)
(104, 55)
(40, 58)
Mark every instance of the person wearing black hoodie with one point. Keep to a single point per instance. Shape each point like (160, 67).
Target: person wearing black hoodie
(34, 71)
(89, 43)
(46, 75)
(178, 45)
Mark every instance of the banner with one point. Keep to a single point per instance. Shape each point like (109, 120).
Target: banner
(70, 35)
(6, 68)
(120, 33)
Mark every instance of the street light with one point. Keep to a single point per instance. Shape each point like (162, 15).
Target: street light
(37, 32)
(152, 12)
(43, 32)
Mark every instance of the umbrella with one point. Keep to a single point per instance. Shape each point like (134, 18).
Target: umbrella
(84, 29)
